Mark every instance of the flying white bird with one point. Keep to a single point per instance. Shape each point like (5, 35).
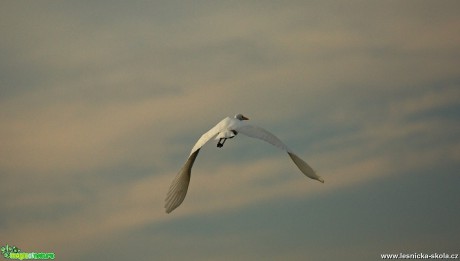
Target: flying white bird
(227, 129)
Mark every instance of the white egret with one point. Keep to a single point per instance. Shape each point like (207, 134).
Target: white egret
(227, 129)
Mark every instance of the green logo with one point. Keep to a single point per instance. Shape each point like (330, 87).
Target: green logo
(7, 250)
(12, 252)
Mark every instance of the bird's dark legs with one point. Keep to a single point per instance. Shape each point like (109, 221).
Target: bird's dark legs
(221, 142)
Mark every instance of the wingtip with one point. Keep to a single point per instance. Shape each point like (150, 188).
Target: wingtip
(170, 208)
(305, 168)
(167, 209)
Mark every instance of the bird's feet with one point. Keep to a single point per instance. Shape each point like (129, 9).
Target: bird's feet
(221, 142)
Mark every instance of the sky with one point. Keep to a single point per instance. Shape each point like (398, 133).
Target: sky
(102, 101)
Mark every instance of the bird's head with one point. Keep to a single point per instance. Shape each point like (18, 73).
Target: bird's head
(241, 117)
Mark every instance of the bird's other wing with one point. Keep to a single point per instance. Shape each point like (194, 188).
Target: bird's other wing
(179, 186)
(262, 134)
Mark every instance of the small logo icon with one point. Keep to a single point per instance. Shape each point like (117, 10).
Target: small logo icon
(7, 250)
(12, 252)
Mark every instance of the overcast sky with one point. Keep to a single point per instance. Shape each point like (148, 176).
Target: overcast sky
(101, 102)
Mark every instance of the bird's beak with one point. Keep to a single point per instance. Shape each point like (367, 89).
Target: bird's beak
(245, 118)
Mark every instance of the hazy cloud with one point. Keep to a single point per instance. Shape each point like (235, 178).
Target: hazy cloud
(100, 104)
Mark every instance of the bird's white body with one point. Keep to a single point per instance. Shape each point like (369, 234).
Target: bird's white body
(222, 130)
(226, 129)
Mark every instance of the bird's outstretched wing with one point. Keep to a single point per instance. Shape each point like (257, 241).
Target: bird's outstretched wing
(179, 185)
(262, 134)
